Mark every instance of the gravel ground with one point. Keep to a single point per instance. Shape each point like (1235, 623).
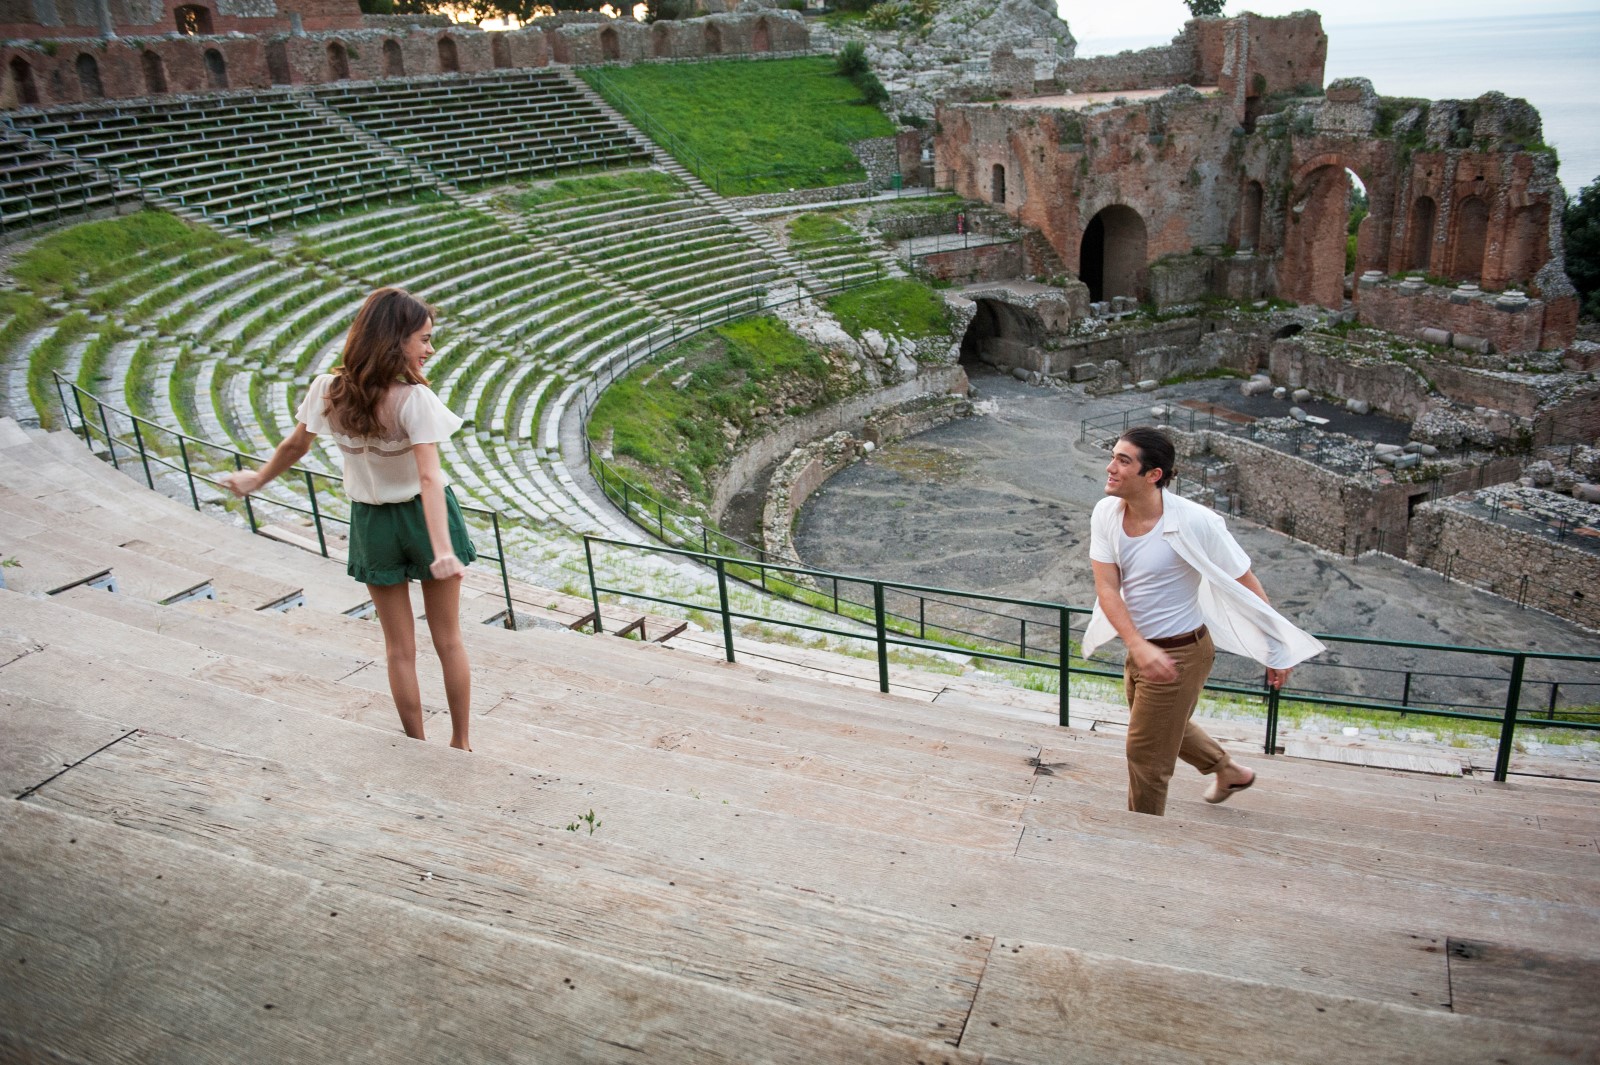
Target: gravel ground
(1000, 503)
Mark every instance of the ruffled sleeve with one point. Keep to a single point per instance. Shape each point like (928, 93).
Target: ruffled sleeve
(424, 417)
(313, 409)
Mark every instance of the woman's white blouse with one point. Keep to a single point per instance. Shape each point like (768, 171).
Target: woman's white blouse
(381, 469)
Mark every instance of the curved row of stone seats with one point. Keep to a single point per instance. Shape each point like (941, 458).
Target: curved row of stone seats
(664, 241)
(844, 257)
(934, 881)
(37, 185)
(484, 128)
(243, 160)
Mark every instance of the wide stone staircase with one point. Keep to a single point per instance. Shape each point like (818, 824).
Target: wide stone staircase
(223, 849)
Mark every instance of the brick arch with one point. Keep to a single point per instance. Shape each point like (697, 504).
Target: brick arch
(23, 84)
(1468, 239)
(88, 70)
(761, 39)
(610, 47)
(394, 59)
(449, 60)
(1113, 253)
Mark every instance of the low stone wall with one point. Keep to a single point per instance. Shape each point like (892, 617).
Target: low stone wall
(849, 415)
(1391, 387)
(1150, 68)
(1347, 515)
(988, 262)
(1560, 578)
(801, 197)
(809, 466)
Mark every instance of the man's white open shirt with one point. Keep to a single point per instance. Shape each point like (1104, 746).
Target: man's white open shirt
(1239, 621)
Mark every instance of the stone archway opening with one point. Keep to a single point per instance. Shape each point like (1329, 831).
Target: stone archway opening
(338, 62)
(1111, 256)
(155, 73)
(89, 77)
(997, 184)
(394, 60)
(660, 40)
(499, 51)
(1419, 254)
(23, 83)
(761, 39)
(610, 47)
(448, 61)
(216, 69)
(713, 40)
(1250, 216)
(1001, 334)
(1471, 234)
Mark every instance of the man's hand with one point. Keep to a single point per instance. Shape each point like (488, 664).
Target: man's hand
(1154, 663)
(1277, 678)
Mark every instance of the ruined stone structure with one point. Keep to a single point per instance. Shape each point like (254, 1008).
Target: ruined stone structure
(66, 53)
(1225, 140)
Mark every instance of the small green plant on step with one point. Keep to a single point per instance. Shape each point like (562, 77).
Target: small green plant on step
(587, 819)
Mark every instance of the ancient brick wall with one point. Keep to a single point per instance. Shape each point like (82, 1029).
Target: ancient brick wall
(261, 45)
(1508, 323)
(989, 262)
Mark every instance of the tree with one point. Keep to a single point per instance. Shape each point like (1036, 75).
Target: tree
(1204, 8)
(1581, 225)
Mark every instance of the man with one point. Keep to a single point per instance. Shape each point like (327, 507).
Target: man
(1172, 582)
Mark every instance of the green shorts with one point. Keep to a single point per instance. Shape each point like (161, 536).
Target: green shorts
(389, 541)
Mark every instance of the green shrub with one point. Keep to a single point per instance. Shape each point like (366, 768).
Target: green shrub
(852, 60)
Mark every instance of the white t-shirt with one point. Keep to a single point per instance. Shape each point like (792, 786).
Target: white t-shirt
(1160, 589)
(381, 469)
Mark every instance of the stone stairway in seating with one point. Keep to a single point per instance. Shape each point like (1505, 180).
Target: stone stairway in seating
(223, 840)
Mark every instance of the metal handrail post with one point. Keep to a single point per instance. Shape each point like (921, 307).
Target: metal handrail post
(722, 600)
(594, 588)
(1271, 744)
(77, 398)
(883, 636)
(138, 439)
(110, 444)
(188, 471)
(1508, 724)
(505, 575)
(61, 398)
(1064, 657)
(316, 515)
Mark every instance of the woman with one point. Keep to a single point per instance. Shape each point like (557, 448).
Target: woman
(404, 521)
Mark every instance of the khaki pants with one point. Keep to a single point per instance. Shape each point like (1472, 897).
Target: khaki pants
(1159, 729)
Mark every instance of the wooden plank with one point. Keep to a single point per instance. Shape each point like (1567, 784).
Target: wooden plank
(120, 948)
(773, 941)
(1041, 1003)
(1094, 907)
(32, 750)
(1554, 989)
(1439, 765)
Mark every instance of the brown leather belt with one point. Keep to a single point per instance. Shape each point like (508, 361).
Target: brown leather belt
(1166, 643)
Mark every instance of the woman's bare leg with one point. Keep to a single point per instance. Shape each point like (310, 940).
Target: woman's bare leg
(442, 602)
(393, 602)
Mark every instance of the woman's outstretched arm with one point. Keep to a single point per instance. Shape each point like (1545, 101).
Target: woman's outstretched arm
(291, 451)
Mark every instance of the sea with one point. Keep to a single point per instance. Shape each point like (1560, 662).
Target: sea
(1550, 60)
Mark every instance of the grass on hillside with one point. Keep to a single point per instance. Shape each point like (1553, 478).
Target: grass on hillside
(753, 127)
(89, 255)
(728, 374)
(899, 307)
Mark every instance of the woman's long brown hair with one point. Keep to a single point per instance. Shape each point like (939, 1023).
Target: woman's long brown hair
(372, 359)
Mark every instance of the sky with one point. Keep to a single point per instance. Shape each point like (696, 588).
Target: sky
(1158, 21)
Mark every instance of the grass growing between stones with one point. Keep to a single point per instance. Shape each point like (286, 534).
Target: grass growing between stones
(92, 254)
(900, 307)
(599, 185)
(677, 417)
(795, 118)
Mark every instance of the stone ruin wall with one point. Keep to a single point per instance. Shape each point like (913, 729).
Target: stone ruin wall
(259, 50)
(1562, 579)
(1407, 309)
(1452, 191)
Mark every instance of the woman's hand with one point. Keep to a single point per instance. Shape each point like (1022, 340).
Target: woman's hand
(446, 567)
(242, 482)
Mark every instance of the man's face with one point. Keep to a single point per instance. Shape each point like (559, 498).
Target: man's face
(1123, 478)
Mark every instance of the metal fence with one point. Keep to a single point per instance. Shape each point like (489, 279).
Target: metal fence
(140, 445)
(1528, 686)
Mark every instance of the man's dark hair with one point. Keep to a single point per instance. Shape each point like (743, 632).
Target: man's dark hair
(1155, 450)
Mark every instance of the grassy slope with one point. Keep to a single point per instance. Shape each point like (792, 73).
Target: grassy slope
(788, 119)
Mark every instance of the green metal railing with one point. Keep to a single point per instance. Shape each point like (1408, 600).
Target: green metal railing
(885, 629)
(139, 450)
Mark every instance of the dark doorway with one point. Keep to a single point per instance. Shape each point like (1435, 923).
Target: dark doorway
(216, 69)
(1111, 258)
(610, 49)
(193, 20)
(22, 81)
(89, 77)
(997, 184)
(448, 62)
(1421, 244)
(1001, 335)
(155, 74)
(338, 62)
